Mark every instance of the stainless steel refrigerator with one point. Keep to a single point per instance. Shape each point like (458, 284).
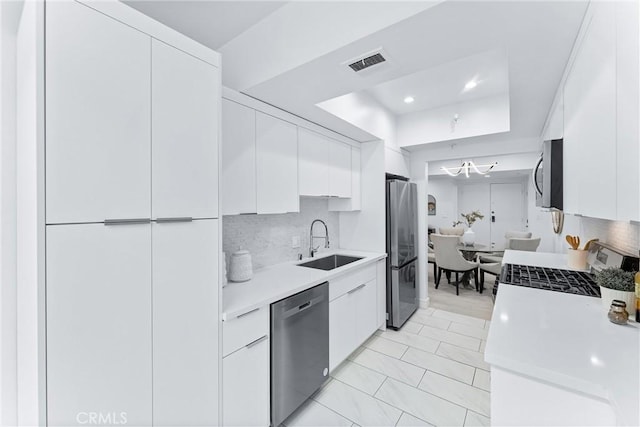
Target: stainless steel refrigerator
(402, 251)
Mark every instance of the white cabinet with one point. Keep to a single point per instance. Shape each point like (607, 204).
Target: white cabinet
(245, 370)
(325, 166)
(342, 331)
(313, 163)
(99, 349)
(354, 203)
(185, 109)
(601, 117)
(352, 319)
(339, 169)
(590, 119)
(239, 159)
(98, 128)
(276, 165)
(628, 114)
(185, 323)
(246, 385)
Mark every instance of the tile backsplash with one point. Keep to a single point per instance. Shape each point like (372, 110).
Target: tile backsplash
(269, 237)
(619, 234)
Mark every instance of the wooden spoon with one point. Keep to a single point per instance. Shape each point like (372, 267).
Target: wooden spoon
(573, 241)
(588, 244)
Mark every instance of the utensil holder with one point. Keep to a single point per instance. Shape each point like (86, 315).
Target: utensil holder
(577, 259)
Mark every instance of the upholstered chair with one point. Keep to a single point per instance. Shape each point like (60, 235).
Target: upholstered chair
(449, 259)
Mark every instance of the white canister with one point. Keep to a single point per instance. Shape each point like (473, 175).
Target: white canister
(577, 259)
(240, 268)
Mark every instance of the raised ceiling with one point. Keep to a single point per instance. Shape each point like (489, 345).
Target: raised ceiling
(444, 84)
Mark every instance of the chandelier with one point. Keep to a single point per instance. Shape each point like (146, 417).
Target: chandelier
(467, 167)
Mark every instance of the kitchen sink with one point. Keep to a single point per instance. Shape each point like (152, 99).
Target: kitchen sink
(330, 262)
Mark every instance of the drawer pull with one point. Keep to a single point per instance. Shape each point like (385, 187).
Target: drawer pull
(127, 221)
(256, 342)
(248, 313)
(357, 289)
(175, 219)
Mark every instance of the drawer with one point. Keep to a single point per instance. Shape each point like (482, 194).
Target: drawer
(345, 283)
(244, 329)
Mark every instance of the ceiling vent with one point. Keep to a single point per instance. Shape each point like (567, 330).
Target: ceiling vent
(367, 62)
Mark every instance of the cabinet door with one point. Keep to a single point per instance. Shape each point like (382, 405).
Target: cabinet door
(186, 113)
(342, 330)
(366, 302)
(246, 386)
(185, 323)
(590, 119)
(99, 353)
(238, 159)
(313, 161)
(98, 117)
(339, 169)
(628, 112)
(277, 165)
(354, 203)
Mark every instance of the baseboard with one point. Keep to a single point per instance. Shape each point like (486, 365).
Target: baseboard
(424, 303)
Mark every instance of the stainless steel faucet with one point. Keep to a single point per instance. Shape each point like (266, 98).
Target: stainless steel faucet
(313, 250)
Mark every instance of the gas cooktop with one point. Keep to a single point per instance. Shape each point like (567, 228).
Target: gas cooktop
(551, 279)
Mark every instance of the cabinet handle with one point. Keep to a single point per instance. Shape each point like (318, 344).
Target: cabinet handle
(357, 289)
(256, 342)
(247, 313)
(175, 219)
(127, 221)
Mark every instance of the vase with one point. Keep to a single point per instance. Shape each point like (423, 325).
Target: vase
(469, 237)
(609, 295)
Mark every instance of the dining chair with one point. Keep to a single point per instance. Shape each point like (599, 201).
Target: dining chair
(431, 259)
(451, 231)
(492, 268)
(497, 256)
(529, 245)
(449, 259)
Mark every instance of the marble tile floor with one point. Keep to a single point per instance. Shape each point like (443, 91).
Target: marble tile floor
(431, 372)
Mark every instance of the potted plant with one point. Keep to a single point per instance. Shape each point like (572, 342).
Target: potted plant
(469, 237)
(616, 284)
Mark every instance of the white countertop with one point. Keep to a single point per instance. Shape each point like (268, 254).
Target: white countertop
(279, 281)
(565, 339)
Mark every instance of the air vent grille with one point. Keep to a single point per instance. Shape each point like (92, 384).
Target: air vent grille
(367, 62)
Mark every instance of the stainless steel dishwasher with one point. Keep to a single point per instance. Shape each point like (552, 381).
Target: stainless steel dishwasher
(299, 349)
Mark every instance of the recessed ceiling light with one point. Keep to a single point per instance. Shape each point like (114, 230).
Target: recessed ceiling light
(470, 85)
(409, 100)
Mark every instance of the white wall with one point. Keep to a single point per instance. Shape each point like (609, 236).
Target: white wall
(445, 190)
(478, 117)
(365, 230)
(364, 111)
(9, 18)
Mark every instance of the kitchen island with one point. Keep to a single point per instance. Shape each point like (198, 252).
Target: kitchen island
(557, 360)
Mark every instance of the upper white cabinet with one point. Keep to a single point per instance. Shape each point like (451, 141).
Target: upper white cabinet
(99, 339)
(239, 159)
(185, 107)
(354, 203)
(98, 127)
(313, 161)
(590, 119)
(185, 323)
(276, 165)
(601, 132)
(325, 165)
(628, 114)
(339, 169)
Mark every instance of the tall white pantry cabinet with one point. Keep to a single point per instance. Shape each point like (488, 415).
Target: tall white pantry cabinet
(132, 231)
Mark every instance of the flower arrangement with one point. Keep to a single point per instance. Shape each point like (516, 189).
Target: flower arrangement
(469, 218)
(616, 279)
